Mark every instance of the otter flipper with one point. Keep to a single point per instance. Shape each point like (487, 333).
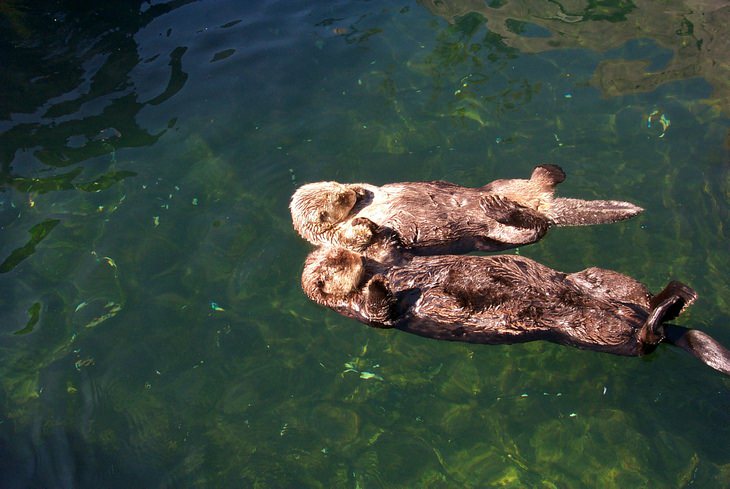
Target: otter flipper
(665, 306)
(686, 294)
(547, 176)
(513, 223)
(700, 345)
(578, 212)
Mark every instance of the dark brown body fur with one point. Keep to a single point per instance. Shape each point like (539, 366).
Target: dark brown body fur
(507, 299)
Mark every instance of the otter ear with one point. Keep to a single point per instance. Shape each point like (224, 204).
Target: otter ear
(379, 302)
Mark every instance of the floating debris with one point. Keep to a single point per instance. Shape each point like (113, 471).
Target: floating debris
(214, 306)
(112, 310)
(86, 362)
(111, 262)
(156, 220)
(370, 375)
(357, 364)
(661, 118)
(107, 134)
(525, 395)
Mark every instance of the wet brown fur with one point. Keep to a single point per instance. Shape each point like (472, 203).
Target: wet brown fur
(497, 299)
(440, 217)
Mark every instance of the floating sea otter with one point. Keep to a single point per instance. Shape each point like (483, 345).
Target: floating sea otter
(506, 299)
(439, 217)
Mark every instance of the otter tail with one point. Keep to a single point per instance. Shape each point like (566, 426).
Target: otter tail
(578, 212)
(700, 345)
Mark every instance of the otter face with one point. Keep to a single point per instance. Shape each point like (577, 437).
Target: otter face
(331, 274)
(318, 207)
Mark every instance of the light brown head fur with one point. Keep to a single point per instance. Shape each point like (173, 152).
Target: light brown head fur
(317, 208)
(332, 274)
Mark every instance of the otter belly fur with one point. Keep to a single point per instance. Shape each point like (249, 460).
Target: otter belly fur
(506, 299)
(440, 217)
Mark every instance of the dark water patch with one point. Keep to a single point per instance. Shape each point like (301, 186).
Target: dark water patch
(654, 57)
(526, 29)
(34, 314)
(222, 55)
(37, 234)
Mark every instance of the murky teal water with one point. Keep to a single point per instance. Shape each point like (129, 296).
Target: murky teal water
(152, 328)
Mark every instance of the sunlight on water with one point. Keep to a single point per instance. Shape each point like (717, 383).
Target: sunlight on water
(153, 332)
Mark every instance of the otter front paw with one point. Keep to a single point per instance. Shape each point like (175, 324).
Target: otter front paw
(379, 302)
(358, 234)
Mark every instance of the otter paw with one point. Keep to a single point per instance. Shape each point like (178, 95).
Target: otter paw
(379, 302)
(358, 234)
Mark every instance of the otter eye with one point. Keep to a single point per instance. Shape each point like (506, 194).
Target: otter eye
(320, 283)
(323, 215)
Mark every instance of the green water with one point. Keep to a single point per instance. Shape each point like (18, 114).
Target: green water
(152, 328)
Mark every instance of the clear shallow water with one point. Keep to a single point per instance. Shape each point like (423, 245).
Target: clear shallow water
(152, 328)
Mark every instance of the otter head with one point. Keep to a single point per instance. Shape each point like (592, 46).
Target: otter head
(317, 208)
(332, 274)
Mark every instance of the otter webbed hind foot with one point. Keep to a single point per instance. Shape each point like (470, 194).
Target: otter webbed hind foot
(547, 175)
(700, 345)
(665, 306)
(512, 223)
(577, 212)
(685, 293)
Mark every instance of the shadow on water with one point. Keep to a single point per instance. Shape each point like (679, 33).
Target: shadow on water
(152, 328)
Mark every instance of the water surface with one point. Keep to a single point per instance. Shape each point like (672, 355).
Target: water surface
(152, 328)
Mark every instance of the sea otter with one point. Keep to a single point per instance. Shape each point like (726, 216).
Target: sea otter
(506, 299)
(439, 217)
